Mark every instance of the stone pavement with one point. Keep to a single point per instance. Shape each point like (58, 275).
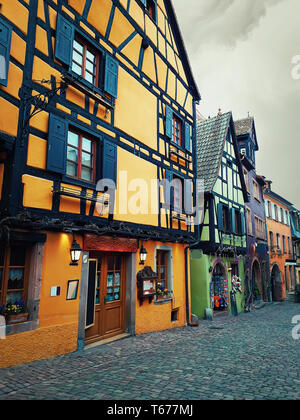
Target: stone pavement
(252, 356)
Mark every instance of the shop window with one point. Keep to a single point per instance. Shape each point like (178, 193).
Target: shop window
(81, 156)
(13, 275)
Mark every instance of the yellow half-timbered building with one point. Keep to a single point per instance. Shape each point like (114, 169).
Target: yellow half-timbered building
(98, 110)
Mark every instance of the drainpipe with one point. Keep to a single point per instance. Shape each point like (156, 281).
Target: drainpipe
(195, 167)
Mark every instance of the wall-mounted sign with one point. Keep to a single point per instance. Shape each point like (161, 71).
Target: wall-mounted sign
(146, 282)
(72, 289)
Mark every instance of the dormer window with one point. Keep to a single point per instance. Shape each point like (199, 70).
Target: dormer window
(243, 151)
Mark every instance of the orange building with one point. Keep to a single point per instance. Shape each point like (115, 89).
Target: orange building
(280, 244)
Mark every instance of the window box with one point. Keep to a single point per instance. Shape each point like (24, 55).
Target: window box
(16, 319)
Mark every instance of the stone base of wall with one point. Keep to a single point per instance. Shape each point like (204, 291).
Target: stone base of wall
(40, 344)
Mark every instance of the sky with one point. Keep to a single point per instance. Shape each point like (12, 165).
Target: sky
(245, 57)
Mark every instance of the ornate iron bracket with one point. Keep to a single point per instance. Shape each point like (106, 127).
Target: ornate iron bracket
(37, 103)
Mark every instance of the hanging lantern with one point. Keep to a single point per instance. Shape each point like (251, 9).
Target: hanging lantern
(143, 255)
(75, 253)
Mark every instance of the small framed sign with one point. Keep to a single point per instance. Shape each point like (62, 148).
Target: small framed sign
(72, 289)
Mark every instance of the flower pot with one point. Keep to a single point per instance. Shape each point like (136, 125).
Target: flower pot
(16, 319)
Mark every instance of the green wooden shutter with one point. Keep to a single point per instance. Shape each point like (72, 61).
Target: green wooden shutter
(169, 122)
(220, 217)
(57, 144)
(243, 224)
(233, 230)
(5, 44)
(64, 40)
(111, 76)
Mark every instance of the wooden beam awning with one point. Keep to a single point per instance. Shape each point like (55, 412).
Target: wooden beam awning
(93, 242)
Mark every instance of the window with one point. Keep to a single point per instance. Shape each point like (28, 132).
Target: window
(13, 274)
(85, 62)
(151, 9)
(177, 131)
(284, 244)
(81, 156)
(271, 238)
(282, 215)
(260, 228)
(256, 190)
(162, 268)
(270, 209)
(289, 246)
(243, 151)
(278, 243)
(246, 179)
(276, 212)
(249, 222)
(5, 45)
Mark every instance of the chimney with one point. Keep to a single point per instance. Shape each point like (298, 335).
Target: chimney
(269, 184)
(220, 112)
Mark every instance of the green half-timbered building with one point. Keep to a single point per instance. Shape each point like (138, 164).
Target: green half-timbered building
(217, 263)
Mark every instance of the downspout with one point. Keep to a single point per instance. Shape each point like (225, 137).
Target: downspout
(195, 167)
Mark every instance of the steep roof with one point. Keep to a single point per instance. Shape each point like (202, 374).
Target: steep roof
(246, 126)
(181, 48)
(211, 136)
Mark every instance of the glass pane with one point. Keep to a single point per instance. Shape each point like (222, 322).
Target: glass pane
(86, 159)
(15, 278)
(13, 297)
(77, 69)
(86, 174)
(109, 298)
(91, 57)
(110, 290)
(90, 66)
(78, 58)
(117, 296)
(89, 77)
(162, 273)
(117, 279)
(72, 154)
(78, 47)
(117, 289)
(97, 301)
(86, 145)
(73, 139)
(110, 280)
(17, 256)
(71, 169)
(98, 280)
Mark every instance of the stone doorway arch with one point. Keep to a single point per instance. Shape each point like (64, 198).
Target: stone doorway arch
(276, 284)
(256, 282)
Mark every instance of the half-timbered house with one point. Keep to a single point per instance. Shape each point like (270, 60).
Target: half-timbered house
(97, 110)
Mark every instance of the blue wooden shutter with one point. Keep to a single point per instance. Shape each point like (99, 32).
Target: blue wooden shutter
(57, 144)
(64, 40)
(111, 76)
(187, 136)
(5, 43)
(220, 217)
(233, 230)
(169, 122)
(109, 161)
(188, 196)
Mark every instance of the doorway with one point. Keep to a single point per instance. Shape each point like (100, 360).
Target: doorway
(276, 284)
(219, 289)
(106, 296)
(256, 282)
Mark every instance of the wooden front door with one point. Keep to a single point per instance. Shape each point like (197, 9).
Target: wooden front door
(105, 312)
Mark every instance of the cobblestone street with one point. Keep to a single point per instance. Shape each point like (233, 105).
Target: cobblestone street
(252, 356)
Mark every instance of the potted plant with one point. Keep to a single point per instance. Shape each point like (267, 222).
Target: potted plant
(16, 313)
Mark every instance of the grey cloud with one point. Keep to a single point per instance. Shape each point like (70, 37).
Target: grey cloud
(221, 21)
